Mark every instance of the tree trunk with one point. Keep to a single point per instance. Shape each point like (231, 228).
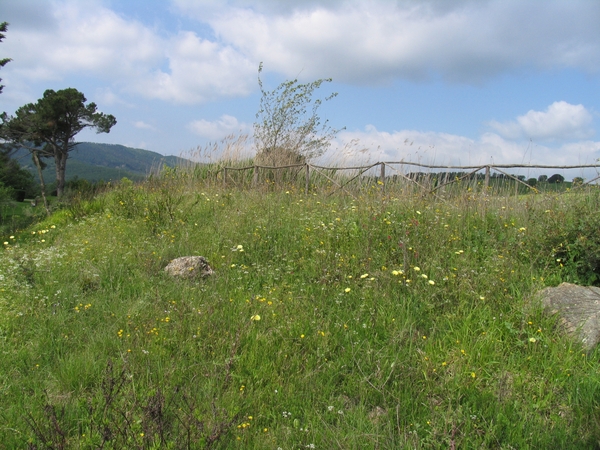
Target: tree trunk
(60, 159)
(38, 164)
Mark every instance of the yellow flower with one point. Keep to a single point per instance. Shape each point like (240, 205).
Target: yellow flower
(416, 269)
(431, 282)
(347, 290)
(532, 339)
(255, 317)
(473, 375)
(364, 275)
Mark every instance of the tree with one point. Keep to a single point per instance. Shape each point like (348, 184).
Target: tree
(578, 181)
(47, 128)
(13, 176)
(556, 178)
(543, 178)
(3, 28)
(285, 131)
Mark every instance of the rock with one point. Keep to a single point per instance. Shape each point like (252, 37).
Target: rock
(578, 308)
(376, 413)
(189, 267)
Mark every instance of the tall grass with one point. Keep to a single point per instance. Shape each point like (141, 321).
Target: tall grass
(382, 319)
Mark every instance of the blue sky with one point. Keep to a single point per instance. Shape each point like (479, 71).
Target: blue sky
(434, 81)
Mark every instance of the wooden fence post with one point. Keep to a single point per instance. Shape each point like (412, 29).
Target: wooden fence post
(382, 176)
(255, 176)
(307, 179)
(486, 183)
(224, 176)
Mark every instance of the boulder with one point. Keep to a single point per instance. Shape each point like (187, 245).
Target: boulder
(578, 308)
(189, 267)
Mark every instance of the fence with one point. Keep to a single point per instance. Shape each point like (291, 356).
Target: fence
(380, 174)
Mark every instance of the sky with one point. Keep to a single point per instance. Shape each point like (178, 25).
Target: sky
(461, 82)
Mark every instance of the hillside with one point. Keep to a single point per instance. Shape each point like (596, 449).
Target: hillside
(95, 162)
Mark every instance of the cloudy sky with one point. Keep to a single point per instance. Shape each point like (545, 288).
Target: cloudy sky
(432, 81)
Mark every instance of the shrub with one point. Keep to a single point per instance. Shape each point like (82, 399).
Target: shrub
(556, 178)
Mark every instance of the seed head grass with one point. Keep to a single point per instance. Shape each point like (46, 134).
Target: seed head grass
(334, 321)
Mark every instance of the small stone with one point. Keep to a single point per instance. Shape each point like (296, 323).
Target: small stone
(189, 267)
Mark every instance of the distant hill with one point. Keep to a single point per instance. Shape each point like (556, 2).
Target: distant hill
(95, 162)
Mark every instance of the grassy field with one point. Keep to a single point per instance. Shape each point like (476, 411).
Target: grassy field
(383, 320)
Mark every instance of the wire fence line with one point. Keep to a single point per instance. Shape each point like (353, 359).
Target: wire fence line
(385, 173)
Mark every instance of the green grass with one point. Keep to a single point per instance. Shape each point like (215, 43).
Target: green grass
(386, 321)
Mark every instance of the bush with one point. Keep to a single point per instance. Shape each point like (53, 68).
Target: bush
(573, 242)
(556, 178)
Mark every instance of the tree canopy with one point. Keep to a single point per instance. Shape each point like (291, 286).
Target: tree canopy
(3, 28)
(48, 127)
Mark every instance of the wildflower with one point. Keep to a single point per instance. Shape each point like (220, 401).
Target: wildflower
(255, 317)
(532, 339)
(416, 269)
(347, 290)
(473, 375)
(423, 276)
(364, 275)
(397, 272)
(431, 282)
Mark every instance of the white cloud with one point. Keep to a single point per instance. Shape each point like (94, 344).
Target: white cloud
(373, 41)
(353, 41)
(220, 128)
(433, 148)
(199, 71)
(560, 121)
(89, 39)
(143, 125)
(86, 39)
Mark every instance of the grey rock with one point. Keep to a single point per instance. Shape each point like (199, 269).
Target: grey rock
(578, 308)
(189, 267)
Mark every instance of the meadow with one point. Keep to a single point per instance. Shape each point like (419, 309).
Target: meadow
(382, 319)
